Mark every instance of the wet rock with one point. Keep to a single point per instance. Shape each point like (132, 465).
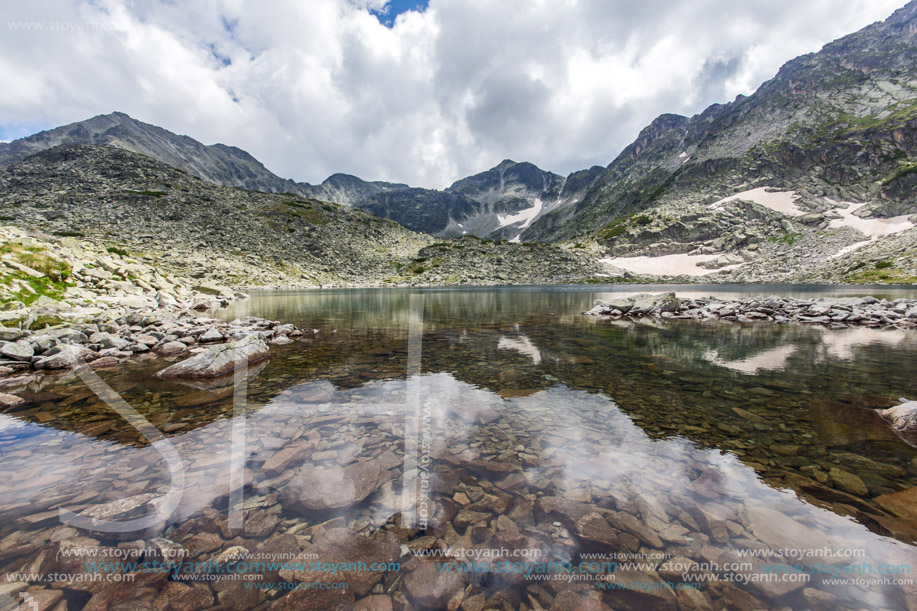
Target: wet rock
(335, 487)
(430, 587)
(376, 602)
(121, 509)
(593, 528)
(7, 400)
(179, 596)
(741, 600)
(105, 361)
(848, 482)
(579, 600)
(841, 424)
(569, 510)
(819, 599)
(641, 591)
(903, 504)
(778, 530)
(290, 455)
(345, 546)
(219, 360)
(629, 523)
(690, 599)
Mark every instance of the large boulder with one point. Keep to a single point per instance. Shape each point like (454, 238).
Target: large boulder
(903, 419)
(65, 356)
(313, 489)
(219, 360)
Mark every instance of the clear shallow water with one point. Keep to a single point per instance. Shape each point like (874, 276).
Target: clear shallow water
(524, 427)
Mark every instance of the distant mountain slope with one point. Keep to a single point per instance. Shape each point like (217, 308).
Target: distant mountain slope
(218, 164)
(499, 203)
(347, 189)
(234, 237)
(840, 123)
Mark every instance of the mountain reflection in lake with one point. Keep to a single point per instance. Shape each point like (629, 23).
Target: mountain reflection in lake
(732, 466)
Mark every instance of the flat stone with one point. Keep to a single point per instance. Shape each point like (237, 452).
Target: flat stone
(7, 400)
(290, 455)
(903, 504)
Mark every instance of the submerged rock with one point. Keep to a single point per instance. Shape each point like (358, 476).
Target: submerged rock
(322, 489)
(219, 360)
(903, 419)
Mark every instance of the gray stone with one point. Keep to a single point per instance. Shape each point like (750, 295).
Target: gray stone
(219, 360)
(17, 351)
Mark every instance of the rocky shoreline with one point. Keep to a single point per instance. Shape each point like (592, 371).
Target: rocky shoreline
(212, 346)
(832, 312)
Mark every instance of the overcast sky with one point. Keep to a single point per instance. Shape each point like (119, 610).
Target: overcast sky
(408, 92)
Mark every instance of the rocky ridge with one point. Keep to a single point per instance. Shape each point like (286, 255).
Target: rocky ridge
(839, 124)
(218, 164)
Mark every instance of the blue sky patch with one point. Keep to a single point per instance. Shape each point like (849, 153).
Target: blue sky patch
(14, 131)
(387, 15)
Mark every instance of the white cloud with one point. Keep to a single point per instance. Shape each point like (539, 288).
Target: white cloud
(319, 87)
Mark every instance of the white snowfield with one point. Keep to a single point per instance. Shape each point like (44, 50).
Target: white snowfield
(524, 216)
(779, 201)
(666, 265)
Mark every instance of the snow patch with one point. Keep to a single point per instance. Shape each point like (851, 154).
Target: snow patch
(871, 228)
(524, 216)
(780, 201)
(667, 265)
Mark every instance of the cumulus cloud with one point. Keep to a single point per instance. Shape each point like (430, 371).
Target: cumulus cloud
(316, 87)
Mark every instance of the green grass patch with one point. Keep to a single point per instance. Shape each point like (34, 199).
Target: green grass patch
(883, 264)
(785, 237)
(304, 211)
(903, 169)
